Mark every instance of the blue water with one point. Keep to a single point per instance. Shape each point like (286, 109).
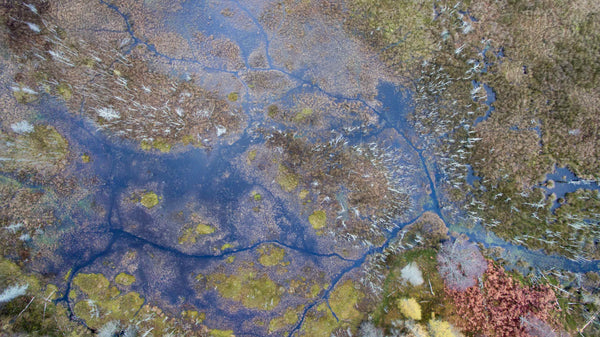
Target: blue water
(209, 178)
(565, 181)
(490, 99)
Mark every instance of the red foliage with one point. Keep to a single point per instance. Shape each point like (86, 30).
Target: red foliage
(496, 308)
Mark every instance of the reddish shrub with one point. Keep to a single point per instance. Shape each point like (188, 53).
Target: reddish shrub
(498, 307)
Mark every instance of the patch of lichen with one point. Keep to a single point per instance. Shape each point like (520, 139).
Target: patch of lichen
(431, 298)
(271, 255)
(43, 150)
(290, 316)
(192, 234)
(248, 286)
(98, 302)
(124, 279)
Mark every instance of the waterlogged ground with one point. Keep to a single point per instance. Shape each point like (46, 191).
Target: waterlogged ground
(239, 168)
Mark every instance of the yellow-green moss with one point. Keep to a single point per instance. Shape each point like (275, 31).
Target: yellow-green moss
(247, 287)
(99, 296)
(319, 322)
(257, 197)
(226, 246)
(64, 90)
(230, 259)
(125, 279)
(318, 219)
(85, 158)
(193, 316)
(315, 289)
(273, 110)
(162, 145)
(303, 194)
(270, 255)
(287, 180)
(303, 114)
(289, 317)
(146, 145)
(221, 333)
(252, 155)
(343, 301)
(149, 199)
(233, 96)
(191, 235)
(67, 275)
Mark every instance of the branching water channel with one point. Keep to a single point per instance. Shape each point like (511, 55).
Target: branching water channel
(194, 171)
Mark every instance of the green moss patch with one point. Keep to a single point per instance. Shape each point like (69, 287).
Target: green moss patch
(270, 255)
(343, 301)
(101, 302)
(162, 145)
(252, 155)
(149, 199)
(65, 91)
(252, 290)
(303, 115)
(286, 179)
(193, 316)
(226, 246)
(125, 279)
(289, 317)
(191, 235)
(318, 219)
(319, 322)
(221, 333)
(233, 96)
(273, 110)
